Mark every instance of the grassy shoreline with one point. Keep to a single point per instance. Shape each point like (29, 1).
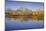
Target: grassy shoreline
(39, 15)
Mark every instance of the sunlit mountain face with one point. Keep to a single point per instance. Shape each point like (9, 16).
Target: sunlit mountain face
(20, 15)
(24, 13)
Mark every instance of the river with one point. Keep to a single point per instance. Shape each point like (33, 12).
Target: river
(18, 24)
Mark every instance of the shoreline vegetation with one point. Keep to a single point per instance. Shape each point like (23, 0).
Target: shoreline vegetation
(21, 14)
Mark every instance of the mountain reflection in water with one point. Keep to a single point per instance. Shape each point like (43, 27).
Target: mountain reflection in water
(15, 24)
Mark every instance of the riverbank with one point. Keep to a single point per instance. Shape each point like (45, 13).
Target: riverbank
(39, 15)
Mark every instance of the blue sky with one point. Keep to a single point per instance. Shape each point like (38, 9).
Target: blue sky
(29, 5)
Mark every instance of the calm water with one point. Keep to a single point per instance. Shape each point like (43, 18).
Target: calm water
(12, 24)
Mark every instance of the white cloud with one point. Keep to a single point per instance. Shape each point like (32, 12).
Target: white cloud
(29, 0)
